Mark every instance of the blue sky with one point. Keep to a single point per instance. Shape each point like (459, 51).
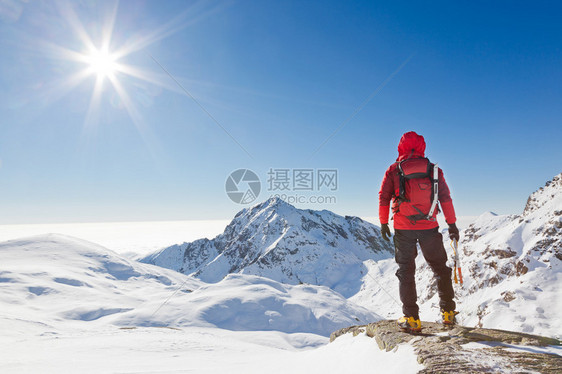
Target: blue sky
(482, 82)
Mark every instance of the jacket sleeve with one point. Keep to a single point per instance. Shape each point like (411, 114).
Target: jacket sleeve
(385, 196)
(445, 200)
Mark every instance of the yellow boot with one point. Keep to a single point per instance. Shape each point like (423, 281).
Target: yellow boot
(448, 317)
(409, 324)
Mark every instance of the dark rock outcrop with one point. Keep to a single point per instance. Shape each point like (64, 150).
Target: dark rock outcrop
(447, 350)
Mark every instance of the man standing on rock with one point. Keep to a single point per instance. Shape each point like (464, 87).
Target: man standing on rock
(415, 187)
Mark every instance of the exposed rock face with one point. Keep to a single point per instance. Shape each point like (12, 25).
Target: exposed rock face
(466, 350)
(278, 241)
(544, 195)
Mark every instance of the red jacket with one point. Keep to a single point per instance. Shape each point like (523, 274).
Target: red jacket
(411, 145)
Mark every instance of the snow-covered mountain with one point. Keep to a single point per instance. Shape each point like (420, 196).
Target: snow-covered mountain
(71, 305)
(511, 263)
(513, 266)
(289, 245)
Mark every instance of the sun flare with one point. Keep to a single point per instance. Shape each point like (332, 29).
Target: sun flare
(104, 62)
(101, 62)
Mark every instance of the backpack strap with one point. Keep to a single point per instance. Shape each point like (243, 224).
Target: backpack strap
(435, 188)
(402, 184)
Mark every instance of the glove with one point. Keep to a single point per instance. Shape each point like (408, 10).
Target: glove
(385, 231)
(453, 232)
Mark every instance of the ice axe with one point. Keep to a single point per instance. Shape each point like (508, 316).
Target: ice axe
(457, 263)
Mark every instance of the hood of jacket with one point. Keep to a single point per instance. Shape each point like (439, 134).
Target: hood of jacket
(411, 145)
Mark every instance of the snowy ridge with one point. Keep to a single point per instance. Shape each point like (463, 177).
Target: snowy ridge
(275, 240)
(549, 196)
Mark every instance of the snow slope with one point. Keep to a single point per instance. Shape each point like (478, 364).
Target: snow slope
(68, 305)
(278, 241)
(55, 280)
(514, 266)
(196, 350)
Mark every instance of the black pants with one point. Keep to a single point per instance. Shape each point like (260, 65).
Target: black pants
(431, 243)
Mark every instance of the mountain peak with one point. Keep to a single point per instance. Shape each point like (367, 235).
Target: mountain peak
(548, 196)
(278, 241)
(272, 204)
(275, 201)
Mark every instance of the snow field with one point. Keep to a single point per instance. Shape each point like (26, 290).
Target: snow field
(72, 306)
(200, 350)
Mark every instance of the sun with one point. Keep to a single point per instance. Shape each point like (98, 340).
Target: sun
(107, 61)
(101, 62)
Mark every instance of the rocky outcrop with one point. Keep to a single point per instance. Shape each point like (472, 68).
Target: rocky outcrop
(466, 349)
(543, 195)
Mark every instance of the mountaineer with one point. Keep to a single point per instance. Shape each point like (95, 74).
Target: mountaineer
(416, 188)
